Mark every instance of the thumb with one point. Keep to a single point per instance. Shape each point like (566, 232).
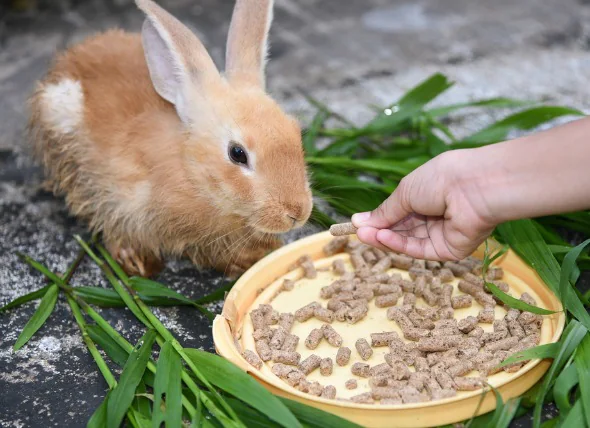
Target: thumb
(390, 212)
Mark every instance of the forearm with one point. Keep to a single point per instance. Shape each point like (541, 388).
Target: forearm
(541, 174)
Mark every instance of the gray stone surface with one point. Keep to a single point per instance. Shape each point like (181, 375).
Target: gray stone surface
(349, 54)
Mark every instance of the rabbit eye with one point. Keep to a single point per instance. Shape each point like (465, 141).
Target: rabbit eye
(238, 155)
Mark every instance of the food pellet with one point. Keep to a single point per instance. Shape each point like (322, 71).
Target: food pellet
(358, 262)
(309, 269)
(490, 367)
(409, 299)
(336, 245)
(314, 338)
(486, 315)
(364, 398)
(355, 315)
(326, 366)
(264, 333)
(386, 300)
(468, 383)
(290, 343)
(351, 384)
(457, 269)
(263, 350)
(476, 280)
(383, 339)
(295, 377)
(316, 389)
(288, 285)
(382, 265)
(419, 321)
(286, 357)
(363, 348)
(430, 297)
(467, 324)
(310, 364)
(286, 321)
(306, 312)
(380, 368)
(329, 392)
(382, 392)
(253, 359)
(503, 344)
(323, 314)
(332, 337)
(416, 272)
(339, 267)
(360, 369)
(258, 319)
(446, 275)
(432, 265)
(494, 273)
(400, 370)
(401, 262)
(445, 297)
(342, 229)
(415, 334)
(278, 338)
(463, 301)
(476, 332)
(370, 257)
(444, 379)
(461, 368)
(444, 393)
(327, 292)
(343, 356)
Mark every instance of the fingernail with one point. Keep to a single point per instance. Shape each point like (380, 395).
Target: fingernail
(360, 218)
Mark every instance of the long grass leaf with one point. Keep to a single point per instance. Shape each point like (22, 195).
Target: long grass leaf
(141, 403)
(316, 418)
(108, 345)
(548, 350)
(571, 338)
(489, 103)
(582, 362)
(310, 136)
(508, 412)
(516, 303)
(566, 380)
(397, 168)
(524, 120)
(575, 417)
(99, 417)
(122, 396)
(234, 381)
(147, 287)
(33, 295)
(39, 317)
(168, 383)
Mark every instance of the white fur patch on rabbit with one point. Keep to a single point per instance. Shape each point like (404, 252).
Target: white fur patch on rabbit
(63, 105)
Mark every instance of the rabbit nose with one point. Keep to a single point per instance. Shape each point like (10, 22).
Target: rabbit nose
(294, 212)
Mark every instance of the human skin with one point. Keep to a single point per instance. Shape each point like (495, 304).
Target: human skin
(447, 207)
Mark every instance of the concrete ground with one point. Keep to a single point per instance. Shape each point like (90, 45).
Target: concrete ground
(349, 54)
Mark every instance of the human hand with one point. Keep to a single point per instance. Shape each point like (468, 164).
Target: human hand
(437, 212)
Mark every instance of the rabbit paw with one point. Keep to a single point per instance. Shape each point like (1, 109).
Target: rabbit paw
(134, 263)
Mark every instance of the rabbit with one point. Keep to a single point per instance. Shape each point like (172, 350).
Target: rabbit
(164, 156)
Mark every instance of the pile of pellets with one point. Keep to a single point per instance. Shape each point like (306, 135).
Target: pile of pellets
(438, 352)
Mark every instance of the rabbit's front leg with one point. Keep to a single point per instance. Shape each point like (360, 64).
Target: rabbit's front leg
(134, 262)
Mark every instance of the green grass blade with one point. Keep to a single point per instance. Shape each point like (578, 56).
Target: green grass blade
(218, 294)
(168, 382)
(103, 297)
(524, 238)
(575, 417)
(123, 394)
(516, 303)
(571, 338)
(37, 294)
(488, 103)
(141, 403)
(149, 288)
(236, 382)
(524, 120)
(320, 218)
(566, 380)
(99, 417)
(508, 412)
(39, 317)
(108, 345)
(408, 106)
(582, 362)
(548, 350)
(316, 418)
(310, 135)
(396, 168)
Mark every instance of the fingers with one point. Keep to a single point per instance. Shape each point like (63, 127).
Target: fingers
(368, 235)
(420, 248)
(391, 211)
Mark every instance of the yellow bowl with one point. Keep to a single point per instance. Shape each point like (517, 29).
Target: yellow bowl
(261, 282)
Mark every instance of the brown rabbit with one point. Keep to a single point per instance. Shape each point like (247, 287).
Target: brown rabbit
(151, 146)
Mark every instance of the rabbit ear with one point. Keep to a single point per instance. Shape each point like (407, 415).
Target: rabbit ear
(247, 41)
(176, 59)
